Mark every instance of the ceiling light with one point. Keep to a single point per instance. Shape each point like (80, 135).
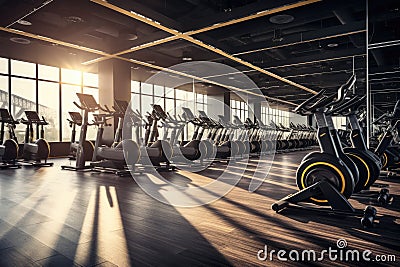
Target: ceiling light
(332, 45)
(20, 40)
(135, 68)
(151, 61)
(281, 19)
(74, 19)
(187, 55)
(24, 22)
(131, 36)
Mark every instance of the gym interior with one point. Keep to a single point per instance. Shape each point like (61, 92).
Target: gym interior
(199, 133)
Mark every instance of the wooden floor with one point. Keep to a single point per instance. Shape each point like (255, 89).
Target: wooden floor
(50, 217)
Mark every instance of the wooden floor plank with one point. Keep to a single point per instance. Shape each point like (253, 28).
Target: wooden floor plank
(50, 217)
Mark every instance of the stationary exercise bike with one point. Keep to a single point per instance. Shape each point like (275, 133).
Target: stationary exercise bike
(76, 120)
(36, 152)
(323, 178)
(8, 147)
(389, 154)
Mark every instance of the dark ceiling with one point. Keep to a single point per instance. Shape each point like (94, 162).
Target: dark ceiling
(315, 45)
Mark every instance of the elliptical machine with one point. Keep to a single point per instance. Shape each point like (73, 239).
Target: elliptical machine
(8, 148)
(76, 120)
(38, 150)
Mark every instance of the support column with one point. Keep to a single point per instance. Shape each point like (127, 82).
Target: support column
(227, 106)
(254, 110)
(114, 83)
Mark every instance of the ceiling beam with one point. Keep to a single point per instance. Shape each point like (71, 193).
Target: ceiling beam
(187, 37)
(136, 6)
(177, 35)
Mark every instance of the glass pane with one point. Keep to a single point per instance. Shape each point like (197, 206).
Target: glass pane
(170, 106)
(200, 98)
(135, 101)
(23, 98)
(68, 96)
(49, 108)
(135, 87)
(49, 73)
(169, 92)
(158, 90)
(3, 92)
(147, 88)
(90, 79)
(3, 65)
(180, 94)
(159, 101)
(21, 68)
(146, 104)
(71, 76)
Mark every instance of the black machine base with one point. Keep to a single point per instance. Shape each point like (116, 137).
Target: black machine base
(339, 205)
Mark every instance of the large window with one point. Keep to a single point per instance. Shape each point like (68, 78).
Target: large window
(23, 98)
(240, 109)
(4, 65)
(278, 116)
(339, 122)
(172, 100)
(49, 73)
(3, 92)
(49, 103)
(37, 87)
(68, 93)
(25, 69)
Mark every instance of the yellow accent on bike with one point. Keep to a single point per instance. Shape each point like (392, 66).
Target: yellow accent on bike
(329, 165)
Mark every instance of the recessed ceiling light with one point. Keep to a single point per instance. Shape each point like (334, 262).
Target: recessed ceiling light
(24, 22)
(20, 40)
(187, 58)
(281, 19)
(74, 19)
(72, 54)
(131, 36)
(231, 78)
(332, 45)
(151, 61)
(135, 68)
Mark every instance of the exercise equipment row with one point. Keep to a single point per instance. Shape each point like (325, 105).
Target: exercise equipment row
(35, 151)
